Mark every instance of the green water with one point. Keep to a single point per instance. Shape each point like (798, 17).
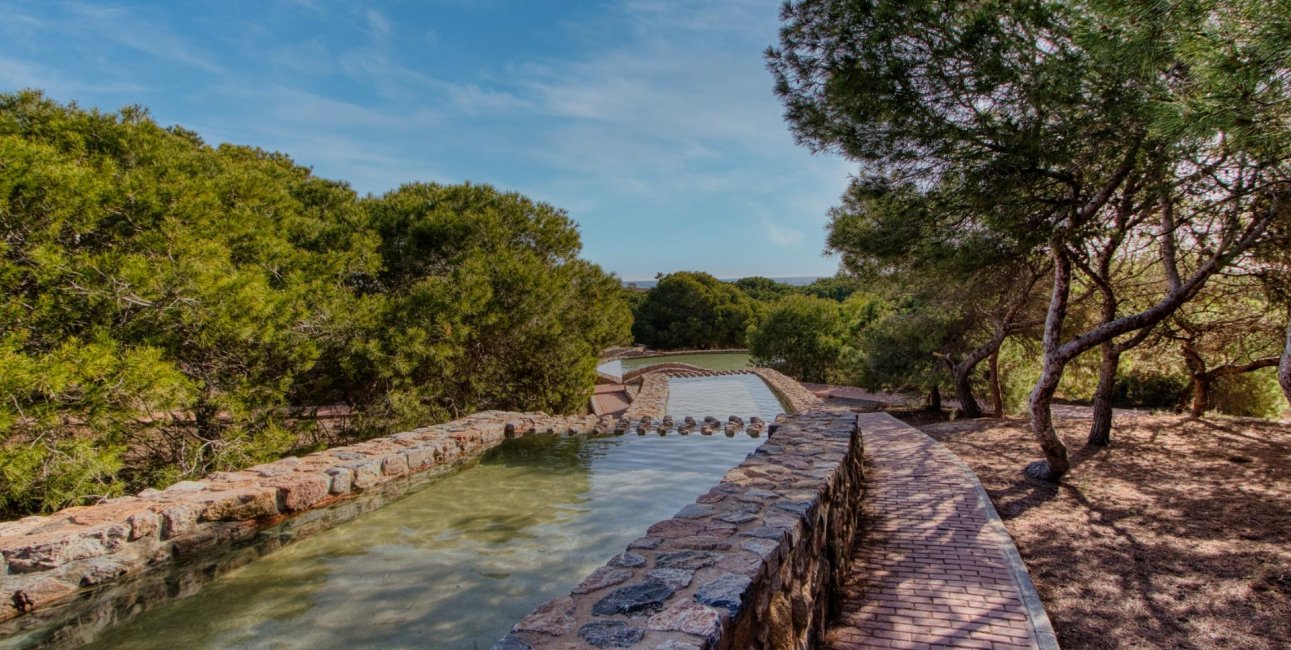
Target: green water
(455, 564)
(709, 360)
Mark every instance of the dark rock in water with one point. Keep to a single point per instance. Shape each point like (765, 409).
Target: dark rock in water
(736, 420)
(690, 560)
(706, 430)
(634, 600)
(756, 420)
(726, 591)
(690, 421)
(511, 642)
(611, 634)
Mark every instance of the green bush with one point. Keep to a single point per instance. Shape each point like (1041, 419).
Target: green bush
(1253, 394)
(802, 337)
(190, 305)
(690, 310)
(1148, 389)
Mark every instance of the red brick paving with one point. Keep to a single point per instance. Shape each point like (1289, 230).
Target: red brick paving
(931, 569)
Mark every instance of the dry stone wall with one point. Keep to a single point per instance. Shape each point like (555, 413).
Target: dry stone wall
(750, 564)
(47, 560)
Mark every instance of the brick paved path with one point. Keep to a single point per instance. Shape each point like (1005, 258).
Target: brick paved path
(934, 567)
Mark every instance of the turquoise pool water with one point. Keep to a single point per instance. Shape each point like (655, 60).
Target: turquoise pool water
(457, 562)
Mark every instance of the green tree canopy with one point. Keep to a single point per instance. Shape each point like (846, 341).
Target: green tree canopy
(691, 310)
(170, 308)
(1088, 127)
(801, 336)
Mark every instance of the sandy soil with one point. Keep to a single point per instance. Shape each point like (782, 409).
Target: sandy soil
(1178, 536)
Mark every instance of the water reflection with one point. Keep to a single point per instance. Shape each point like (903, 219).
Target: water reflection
(454, 565)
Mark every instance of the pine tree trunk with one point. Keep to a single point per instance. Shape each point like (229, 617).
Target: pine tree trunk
(1200, 395)
(1055, 463)
(968, 405)
(1284, 366)
(997, 392)
(1100, 430)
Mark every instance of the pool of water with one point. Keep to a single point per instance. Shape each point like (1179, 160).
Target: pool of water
(709, 360)
(456, 563)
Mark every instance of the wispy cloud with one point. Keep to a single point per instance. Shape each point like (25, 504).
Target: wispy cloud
(781, 236)
(150, 37)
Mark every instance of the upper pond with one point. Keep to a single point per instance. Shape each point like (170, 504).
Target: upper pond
(456, 563)
(710, 360)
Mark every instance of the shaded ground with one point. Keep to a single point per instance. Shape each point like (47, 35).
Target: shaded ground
(1178, 536)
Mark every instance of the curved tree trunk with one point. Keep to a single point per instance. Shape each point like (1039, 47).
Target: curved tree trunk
(962, 372)
(968, 405)
(997, 393)
(1200, 395)
(1284, 366)
(1055, 463)
(1100, 431)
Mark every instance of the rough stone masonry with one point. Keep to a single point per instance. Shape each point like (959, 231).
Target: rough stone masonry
(751, 564)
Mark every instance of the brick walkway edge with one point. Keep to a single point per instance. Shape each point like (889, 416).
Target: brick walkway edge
(934, 566)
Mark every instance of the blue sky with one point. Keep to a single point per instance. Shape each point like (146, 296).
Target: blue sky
(651, 121)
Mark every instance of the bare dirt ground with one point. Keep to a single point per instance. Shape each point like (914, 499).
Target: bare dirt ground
(1178, 536)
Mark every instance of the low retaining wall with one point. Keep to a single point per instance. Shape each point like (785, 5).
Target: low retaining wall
(46, 560)
(751, 564)
(651, 399)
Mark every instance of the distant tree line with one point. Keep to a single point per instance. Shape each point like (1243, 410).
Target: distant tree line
(1087, 193)
(170, 308)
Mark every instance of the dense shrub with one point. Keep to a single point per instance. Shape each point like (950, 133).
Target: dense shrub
(1253, 394)
(802, 337)
(1148, 389)
(171, 308)
(695, 311)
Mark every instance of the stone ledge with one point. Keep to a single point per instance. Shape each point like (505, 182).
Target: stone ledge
(651, 398)
(47, 560)
(751, 564)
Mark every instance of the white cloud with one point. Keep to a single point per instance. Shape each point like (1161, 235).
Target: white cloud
(781, 236)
